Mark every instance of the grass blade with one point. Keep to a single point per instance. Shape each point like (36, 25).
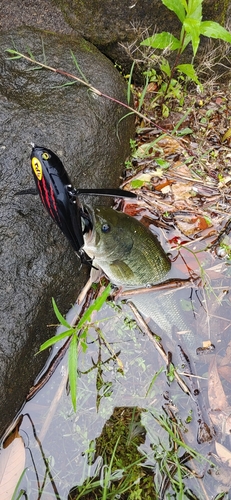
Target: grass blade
(56, 338)
(96, 306)
(59, 316)
(130, 83)
(72, 369)
(78, 68)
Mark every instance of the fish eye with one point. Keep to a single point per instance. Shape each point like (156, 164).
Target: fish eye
(45, 156)
(105, 228)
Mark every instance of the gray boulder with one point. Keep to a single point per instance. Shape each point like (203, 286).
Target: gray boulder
(110, 23)
(84, 129)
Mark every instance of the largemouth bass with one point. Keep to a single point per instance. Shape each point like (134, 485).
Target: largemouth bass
(127, 252)
(131, 256)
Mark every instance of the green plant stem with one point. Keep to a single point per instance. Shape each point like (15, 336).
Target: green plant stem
(173, 69)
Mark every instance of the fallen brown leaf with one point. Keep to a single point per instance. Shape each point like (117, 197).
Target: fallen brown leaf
(220, 413)
(221, 420)
(12, 464)
(216, 396)
(225, 372)
(227, 135)
(223, 453)
(227, 358)
(182, 190)
(170, 145)
(192, 224)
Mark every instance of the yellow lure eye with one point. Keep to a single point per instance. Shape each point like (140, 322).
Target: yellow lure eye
(37, 167)
(45, 156)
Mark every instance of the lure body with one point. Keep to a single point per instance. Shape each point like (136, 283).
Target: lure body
(57, 194)
(127, 252)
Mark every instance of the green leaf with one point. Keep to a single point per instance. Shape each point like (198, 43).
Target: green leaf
(72, 369)
(162, 163)
(192, 27)
(59, 316)
(189, 71)
(56, 338)
(212, 29)
(185, 4)
(165, 111)
(30, 53)
(96, 306)
(13, 51)
(195, 9)
(154, 379)
(129, 85)
(165, 67)
(162, 41)
(35, 68)
(171, 372)
(78, 67)
(208, 220)
(137, 183)
(13, 57)
(176, 7)
(184, 131)
(186, 40)
(82, 341)
(191, 24)
(72, 355)
(67, 84)
(98, 303)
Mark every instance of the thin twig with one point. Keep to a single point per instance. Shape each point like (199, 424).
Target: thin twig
(144, 327)
(44, 459)
(176, 283)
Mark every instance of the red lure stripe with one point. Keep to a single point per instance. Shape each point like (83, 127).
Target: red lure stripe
(51, 207)
(52, 195)
(41, 193)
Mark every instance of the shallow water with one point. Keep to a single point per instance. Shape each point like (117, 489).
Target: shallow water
(65, 450)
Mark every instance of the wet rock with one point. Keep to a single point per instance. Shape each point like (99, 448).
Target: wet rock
(108, 23)
(84, 129)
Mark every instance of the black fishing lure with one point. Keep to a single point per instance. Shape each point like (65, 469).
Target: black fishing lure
(57, 194)
(60, 198)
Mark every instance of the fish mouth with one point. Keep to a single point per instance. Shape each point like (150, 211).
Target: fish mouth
(90, 236)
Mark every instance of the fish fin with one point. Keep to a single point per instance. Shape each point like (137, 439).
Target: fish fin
(121, 270)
